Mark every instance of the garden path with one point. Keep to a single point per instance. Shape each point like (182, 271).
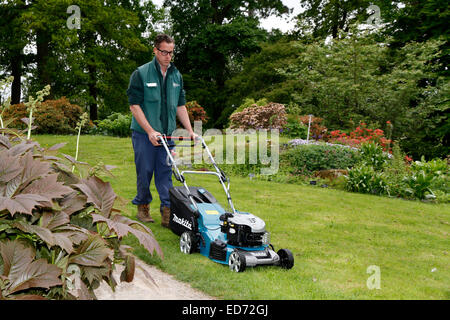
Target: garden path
(163, 286)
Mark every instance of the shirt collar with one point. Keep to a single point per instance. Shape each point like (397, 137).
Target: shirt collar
(158, 67)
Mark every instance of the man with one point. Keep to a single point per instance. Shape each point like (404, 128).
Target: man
(156, 97)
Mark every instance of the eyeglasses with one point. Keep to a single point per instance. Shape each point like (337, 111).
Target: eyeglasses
(165, 53)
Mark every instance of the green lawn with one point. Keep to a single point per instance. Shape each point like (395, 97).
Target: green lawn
(334, 235)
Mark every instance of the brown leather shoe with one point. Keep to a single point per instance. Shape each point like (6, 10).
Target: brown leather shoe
(144, 213)
(165, 216)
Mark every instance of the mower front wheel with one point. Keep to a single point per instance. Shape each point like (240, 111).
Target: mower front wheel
(187, 242)
(237, 261)
(286, 258)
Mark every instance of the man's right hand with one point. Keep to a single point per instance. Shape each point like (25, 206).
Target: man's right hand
(153, 137)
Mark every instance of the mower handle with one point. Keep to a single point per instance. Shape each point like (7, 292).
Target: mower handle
(180, 175)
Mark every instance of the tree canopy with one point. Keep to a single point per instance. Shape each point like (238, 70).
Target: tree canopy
(336, 63)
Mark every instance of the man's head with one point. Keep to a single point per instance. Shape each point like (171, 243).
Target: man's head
(163, 49)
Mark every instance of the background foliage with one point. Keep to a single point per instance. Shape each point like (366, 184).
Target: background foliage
(332, 64)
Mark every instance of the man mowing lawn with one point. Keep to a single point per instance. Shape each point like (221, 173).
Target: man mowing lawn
(156, 98)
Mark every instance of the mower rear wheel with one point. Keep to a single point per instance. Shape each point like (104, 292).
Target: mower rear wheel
(187, 242)
(286, 258)
(237, 261)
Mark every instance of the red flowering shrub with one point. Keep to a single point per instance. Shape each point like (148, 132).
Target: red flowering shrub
(270, 116)
(359, 136)
(196, 112)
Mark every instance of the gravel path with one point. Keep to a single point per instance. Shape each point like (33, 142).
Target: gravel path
(163, 286)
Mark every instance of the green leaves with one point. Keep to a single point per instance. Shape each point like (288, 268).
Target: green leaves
(92, 252)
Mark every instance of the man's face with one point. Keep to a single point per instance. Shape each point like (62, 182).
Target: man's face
(161, 53)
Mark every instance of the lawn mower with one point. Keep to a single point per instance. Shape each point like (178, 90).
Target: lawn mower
(236, 238)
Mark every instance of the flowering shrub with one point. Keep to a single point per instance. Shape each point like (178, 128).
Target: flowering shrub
(196, 112)
(270, 116)
(360, 135)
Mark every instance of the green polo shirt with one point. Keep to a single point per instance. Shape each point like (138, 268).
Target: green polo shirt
(135, 93)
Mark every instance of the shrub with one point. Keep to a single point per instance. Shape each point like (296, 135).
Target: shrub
(270, 116)
(364, 179)
(60, 235)
(418, 185)
(294, 127)
(196, 112)
(52, 116)
(395, 170)
(426, 178)
(436, 167)
(250, 102)
(305, 159)
(372, 154)
(116, 124)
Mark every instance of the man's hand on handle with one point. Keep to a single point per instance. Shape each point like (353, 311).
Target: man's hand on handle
(153, 137)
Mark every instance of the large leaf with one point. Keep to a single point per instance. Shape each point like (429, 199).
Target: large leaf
(24, 273)
(48, 187)
(14, 256)
(92, 252)
(43, 233)
(33, 168)
(9, 167)
(61, 239)
(4, 142)
(22, 147)
(122, 226)
(52, 220)
(76, 234)
(73, 202)
(99, 193)
(22, 203)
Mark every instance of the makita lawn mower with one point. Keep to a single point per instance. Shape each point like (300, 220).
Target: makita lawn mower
(236, 238)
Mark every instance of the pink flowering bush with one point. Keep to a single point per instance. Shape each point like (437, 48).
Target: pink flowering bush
(270, 116)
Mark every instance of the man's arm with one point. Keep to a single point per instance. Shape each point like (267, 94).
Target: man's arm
(135, 94)
(183, 115)
(138, 114)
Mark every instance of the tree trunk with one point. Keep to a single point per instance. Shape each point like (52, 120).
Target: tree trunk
(16, 72)
(42, 55)
(93, 108)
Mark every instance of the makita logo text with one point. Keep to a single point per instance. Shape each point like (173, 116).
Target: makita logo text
(183, 222)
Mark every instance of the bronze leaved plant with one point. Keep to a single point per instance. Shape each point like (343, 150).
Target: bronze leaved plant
(60, 235)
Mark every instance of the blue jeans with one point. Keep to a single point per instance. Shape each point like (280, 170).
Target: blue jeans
(151, 160)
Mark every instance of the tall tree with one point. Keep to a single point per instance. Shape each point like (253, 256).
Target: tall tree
(90, 65)
(212, 37)
(323, 18)
(13, 39)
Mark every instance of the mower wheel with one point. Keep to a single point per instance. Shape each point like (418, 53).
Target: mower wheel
(187, 242)
(237, 261)
(286, 258)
